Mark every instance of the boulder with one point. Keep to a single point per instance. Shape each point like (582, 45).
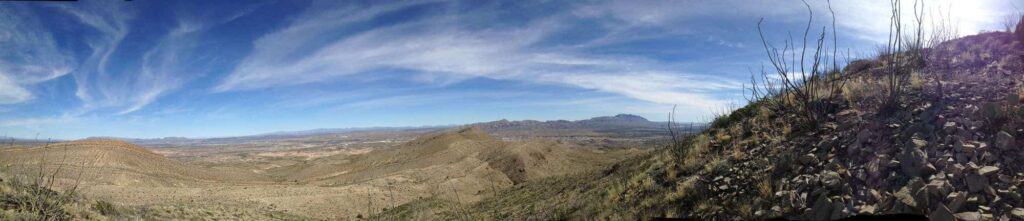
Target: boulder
(941, 214)
(822, 209)
(957, 201)
(832, 180)
(939, 187)
(913, 194)
(809, 159)
(1005, 141)
(976, 182)
(913, 160)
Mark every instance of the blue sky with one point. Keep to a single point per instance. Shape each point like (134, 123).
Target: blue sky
(225, 68)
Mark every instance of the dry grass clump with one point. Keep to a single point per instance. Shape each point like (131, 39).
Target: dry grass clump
(764, 189)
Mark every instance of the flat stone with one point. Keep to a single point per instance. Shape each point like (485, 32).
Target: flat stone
(867, 209)
(988, 170)
(1017, 213)
(968, 216)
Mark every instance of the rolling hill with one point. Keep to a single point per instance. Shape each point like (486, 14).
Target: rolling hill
(468, 158)
(113, 162)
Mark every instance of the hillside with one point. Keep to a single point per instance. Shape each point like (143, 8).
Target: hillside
(949, 150)
(102, 161)
(463, 166)
(467, 159)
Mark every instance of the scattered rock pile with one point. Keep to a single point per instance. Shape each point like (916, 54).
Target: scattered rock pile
(953, 151)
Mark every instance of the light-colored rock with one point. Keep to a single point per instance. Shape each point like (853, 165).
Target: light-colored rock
(968, 216)
(988, 170)
(960, 146)
(867, 209)
(949, 127)
(939, 187)
(919, 143)
(1017, 213)
(831, 179)
(1005, 141)
(911, 194)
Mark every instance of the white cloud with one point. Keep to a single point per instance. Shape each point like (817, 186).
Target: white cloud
(11, 93)
(36, 122)
(867, 20)
(162, 69)
(441, 49)
(109, 23)
(30, 55)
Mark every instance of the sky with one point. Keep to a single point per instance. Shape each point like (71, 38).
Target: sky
(150, 69)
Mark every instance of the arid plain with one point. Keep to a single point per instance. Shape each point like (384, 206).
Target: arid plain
(326, 174)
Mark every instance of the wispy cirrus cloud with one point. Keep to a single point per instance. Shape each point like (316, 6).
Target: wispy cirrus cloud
(440, 47)
(30, 55)
(140, 79)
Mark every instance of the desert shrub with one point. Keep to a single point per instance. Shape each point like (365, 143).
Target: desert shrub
(105, 208)
(1011, 22)
(804, 78)
(859, 66)
(31, 200)
(726, 120)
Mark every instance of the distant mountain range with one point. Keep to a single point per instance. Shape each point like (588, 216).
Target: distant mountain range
(618, 125)
(621, 125)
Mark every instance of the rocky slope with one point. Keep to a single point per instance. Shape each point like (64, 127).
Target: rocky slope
(950, 150)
